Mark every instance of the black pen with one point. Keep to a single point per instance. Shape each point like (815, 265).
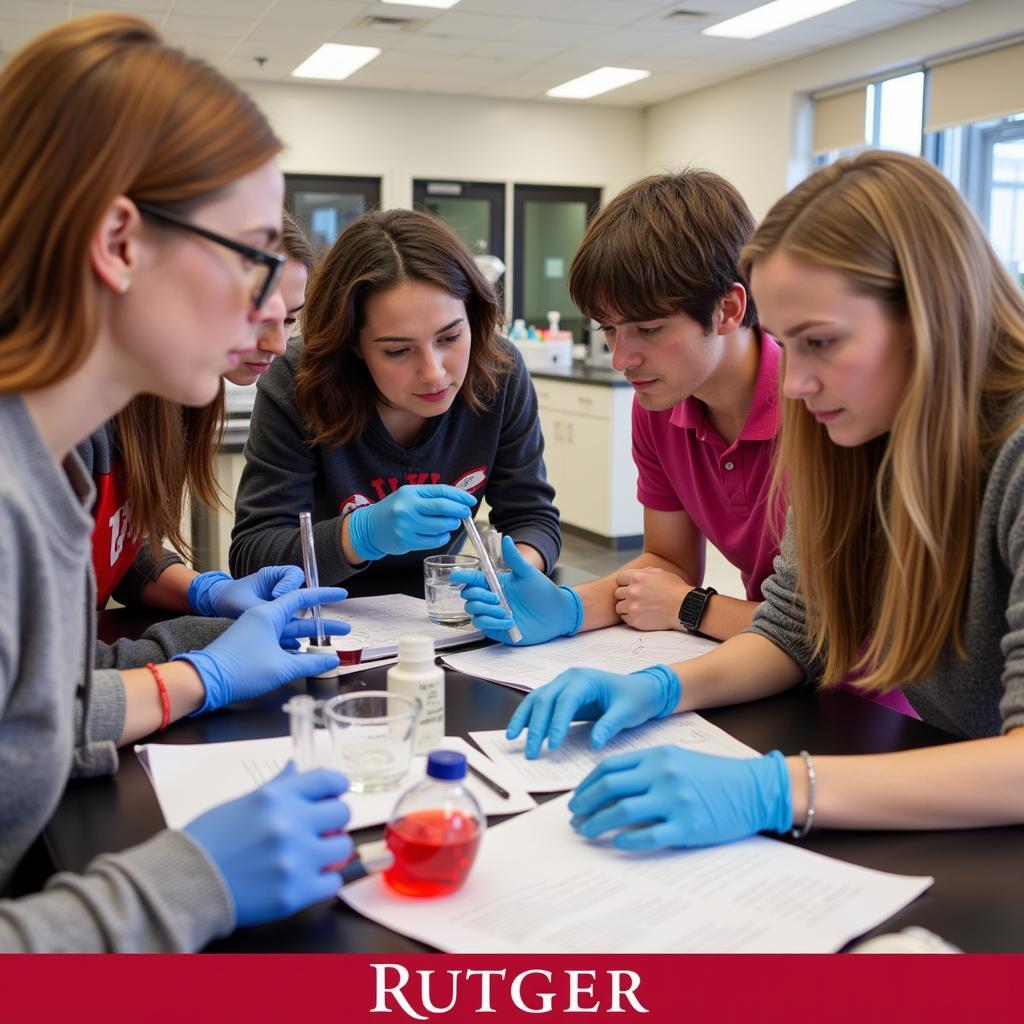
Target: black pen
(490, 783)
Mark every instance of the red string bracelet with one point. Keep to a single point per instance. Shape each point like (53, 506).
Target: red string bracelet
(165, 701)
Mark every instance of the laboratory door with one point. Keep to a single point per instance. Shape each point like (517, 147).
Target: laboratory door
(475, 210)
(326, 205)
(549, 222)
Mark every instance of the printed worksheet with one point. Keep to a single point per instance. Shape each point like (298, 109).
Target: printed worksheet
(190, 779)
(569, 765)
(381, 621)
(615, 649)
(538, 887)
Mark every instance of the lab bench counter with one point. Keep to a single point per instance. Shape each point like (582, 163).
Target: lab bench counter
(582, 373)
(976, 902)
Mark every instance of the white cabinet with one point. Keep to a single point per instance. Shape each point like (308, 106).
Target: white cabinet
(588, 455)
(212, 527)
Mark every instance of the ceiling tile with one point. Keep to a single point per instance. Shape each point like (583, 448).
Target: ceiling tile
(474, 26)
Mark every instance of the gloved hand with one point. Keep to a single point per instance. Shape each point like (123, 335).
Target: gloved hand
(612, 702)
(541, 609)
(413, 518)
(683, 798)
(247, 659)
(216, 593)
(273, 845)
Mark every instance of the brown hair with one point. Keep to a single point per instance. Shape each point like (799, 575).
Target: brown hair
(295, 244)
(669, 243)
(95, 108)
(334, 391)
(884, 532)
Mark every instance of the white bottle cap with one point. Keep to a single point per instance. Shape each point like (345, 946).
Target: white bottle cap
(415, 650)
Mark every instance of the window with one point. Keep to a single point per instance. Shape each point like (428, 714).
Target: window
(326, 205)
(893, 117)
(985, 161)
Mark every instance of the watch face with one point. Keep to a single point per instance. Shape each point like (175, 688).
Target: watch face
(692, 609)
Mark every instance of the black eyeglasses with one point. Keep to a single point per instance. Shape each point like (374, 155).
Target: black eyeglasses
(270, 262)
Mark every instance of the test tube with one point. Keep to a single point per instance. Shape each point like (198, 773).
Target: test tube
(309, 565)
(301, 710)
(490, 574)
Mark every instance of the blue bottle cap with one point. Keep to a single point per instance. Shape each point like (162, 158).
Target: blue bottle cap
(446, 764)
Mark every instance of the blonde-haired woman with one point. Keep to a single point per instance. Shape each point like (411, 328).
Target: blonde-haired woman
(903, 451)
(138, 262)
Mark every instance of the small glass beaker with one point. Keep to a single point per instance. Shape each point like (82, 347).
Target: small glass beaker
(444, 598)
(372, 734)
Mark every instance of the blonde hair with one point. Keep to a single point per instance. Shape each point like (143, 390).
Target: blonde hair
(885, 532)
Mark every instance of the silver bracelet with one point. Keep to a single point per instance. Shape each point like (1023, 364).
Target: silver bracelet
(812, 777)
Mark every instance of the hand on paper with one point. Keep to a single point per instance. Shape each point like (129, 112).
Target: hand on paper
(541, 609)
(248, 659)
(216, 593)
(273, 846)
(649, 597)
(413, 518)
(669, 796)
(612, 702)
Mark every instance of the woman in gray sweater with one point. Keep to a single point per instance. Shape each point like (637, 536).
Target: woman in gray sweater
(903, 450)
(137, 262)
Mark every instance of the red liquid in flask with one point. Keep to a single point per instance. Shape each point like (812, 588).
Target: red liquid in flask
(434, 850)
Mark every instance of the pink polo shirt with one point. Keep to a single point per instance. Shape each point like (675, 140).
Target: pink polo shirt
(684, 464)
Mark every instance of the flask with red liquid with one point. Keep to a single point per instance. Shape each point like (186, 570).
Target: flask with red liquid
(435, 830)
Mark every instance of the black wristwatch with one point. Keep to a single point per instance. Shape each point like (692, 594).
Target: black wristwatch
(691, 611)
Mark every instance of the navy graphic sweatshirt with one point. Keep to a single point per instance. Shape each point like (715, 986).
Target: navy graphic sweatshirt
(496, 454)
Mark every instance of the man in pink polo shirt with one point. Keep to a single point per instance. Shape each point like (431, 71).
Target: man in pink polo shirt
(658, 269)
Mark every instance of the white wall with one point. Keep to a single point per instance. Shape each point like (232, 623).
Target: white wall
(400, 136)
(755, 130)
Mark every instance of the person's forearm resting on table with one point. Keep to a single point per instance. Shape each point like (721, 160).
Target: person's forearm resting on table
(967, 784)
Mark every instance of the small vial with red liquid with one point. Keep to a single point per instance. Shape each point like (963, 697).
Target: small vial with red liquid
(435, 830)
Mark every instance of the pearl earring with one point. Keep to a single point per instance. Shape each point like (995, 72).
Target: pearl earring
(124, 284)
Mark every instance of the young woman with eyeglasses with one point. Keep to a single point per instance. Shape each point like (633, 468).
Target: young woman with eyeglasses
(101, 299)
(155, 456)
(401, 407)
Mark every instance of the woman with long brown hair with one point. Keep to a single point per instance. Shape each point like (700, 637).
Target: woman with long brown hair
(400, 406)
(137, 263)
(903, 452)
(155, 456)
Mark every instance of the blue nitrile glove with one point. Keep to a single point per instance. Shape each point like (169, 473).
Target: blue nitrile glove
(542, 610)
(683, 798)
(413, 518)
(612, 702)
(247, 659)
(216, 593)
(273, 845)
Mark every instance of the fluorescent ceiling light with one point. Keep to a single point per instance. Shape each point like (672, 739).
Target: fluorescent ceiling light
(597, 82)
(335, 61)
(771, 17)
(443, 4)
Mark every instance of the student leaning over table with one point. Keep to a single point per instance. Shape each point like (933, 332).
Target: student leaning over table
(99, 303)
(658, 267)
(154, 456)
(147, 462)
(903, 448)
(400, 405)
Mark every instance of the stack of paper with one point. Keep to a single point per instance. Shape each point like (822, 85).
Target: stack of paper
(381, 621)
(569, 765)
(537, 887)
(618, 649)
(190, 779)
